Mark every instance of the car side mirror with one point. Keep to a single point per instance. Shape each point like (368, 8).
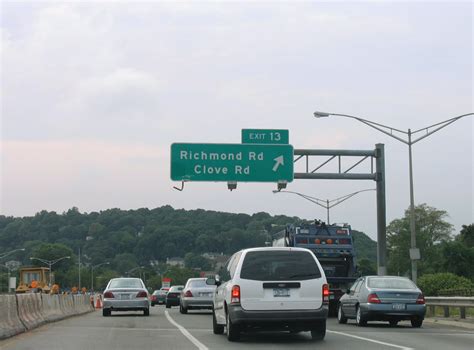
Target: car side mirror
(214, 281)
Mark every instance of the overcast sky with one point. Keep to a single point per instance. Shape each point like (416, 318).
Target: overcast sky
(93, 95)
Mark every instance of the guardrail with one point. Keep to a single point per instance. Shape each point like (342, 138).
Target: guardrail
(449, 302)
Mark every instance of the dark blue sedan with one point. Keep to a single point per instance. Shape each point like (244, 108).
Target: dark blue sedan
(382, 298)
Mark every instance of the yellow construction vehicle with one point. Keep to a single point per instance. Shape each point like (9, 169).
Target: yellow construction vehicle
(34, 279)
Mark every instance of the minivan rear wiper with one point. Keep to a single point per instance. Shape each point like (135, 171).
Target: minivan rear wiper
(310, 275)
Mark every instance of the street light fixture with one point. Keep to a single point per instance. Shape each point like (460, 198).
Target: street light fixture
(11, 252)
(135, 268)
(50, 263)
(92, 273)
(388, 130)
(326, 203)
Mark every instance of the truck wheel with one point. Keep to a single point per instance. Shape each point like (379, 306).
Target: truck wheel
(341, 318)
(233, 331)
(319, 331)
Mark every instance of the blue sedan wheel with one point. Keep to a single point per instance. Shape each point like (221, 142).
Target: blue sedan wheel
(361, 322)
(340, 315)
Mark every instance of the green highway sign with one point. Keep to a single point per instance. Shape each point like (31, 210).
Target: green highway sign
(267, 136)
(231, 162)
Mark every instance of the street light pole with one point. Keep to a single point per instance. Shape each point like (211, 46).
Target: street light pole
(50, 263)
(92, 273)
(326, 203)
(11, 252)
(388, 130)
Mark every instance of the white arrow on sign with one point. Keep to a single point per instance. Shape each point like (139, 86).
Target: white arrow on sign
(279, 161)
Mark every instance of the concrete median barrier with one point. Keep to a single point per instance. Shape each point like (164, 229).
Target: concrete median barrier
(51, 307)
(30, 310)
(66, 303)
(81, 303)
(10, 323)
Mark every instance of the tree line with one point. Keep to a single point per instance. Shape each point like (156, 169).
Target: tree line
(138, 242)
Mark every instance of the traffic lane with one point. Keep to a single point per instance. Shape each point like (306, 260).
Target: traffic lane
(199, 324)
(127, 330)
(428, 337)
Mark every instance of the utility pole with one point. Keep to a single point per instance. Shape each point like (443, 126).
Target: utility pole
(79, 266)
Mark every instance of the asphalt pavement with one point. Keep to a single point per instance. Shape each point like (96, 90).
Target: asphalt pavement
(168, 329)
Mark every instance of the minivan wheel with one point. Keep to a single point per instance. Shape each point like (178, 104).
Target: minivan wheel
(319, 331)
(340, 315)
(233, 331)
(361, 322)
(216, 328)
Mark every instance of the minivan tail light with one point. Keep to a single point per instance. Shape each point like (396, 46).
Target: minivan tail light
(420, 299)
(141, 294)
(373, 299)
(235, 294)
(325, 293)
(188, 294)
(109, 295)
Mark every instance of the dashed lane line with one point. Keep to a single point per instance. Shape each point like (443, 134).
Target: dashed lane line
(188, 335)
(371, 340)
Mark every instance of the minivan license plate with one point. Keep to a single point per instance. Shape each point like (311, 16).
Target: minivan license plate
(281, 292)
(398, 306)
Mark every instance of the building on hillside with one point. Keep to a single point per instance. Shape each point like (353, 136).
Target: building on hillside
(175, 261)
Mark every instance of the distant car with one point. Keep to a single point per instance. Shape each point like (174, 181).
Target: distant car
(173, 296)
(382, 298)
(153, 298)
(271, 288)
(196, 295)
(126, 294)
(161, 297)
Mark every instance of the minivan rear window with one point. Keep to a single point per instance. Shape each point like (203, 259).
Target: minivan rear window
(279, 265)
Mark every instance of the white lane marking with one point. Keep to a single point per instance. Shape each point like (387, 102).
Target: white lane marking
(188, 335)
(371, 340)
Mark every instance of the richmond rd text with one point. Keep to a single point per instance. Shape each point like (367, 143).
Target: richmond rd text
(221, 157)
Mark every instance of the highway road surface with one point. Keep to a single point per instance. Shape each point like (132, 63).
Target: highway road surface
(168, 329)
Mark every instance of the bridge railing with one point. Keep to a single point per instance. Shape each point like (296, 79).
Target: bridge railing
(462, 303)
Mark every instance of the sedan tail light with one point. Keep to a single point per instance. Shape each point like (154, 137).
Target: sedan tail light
(235, 295)
(373, 299)
(325, 293)
(420, 299)
(109, 295)
(142, 294)
(188, 294)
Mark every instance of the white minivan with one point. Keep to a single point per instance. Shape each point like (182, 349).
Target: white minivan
(271, 288)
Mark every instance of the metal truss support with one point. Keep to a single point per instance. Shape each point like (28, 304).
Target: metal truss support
(377, 155)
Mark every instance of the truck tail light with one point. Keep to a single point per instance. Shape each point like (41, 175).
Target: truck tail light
(235, 294)
(325, 293)
(420, 299)
(141, 294)
(188, 294)
(109, 295)
(373, 299)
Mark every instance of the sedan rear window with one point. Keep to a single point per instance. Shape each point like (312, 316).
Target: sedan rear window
(390, 283)
(125, 283)
(197, 284)
(279, 266)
